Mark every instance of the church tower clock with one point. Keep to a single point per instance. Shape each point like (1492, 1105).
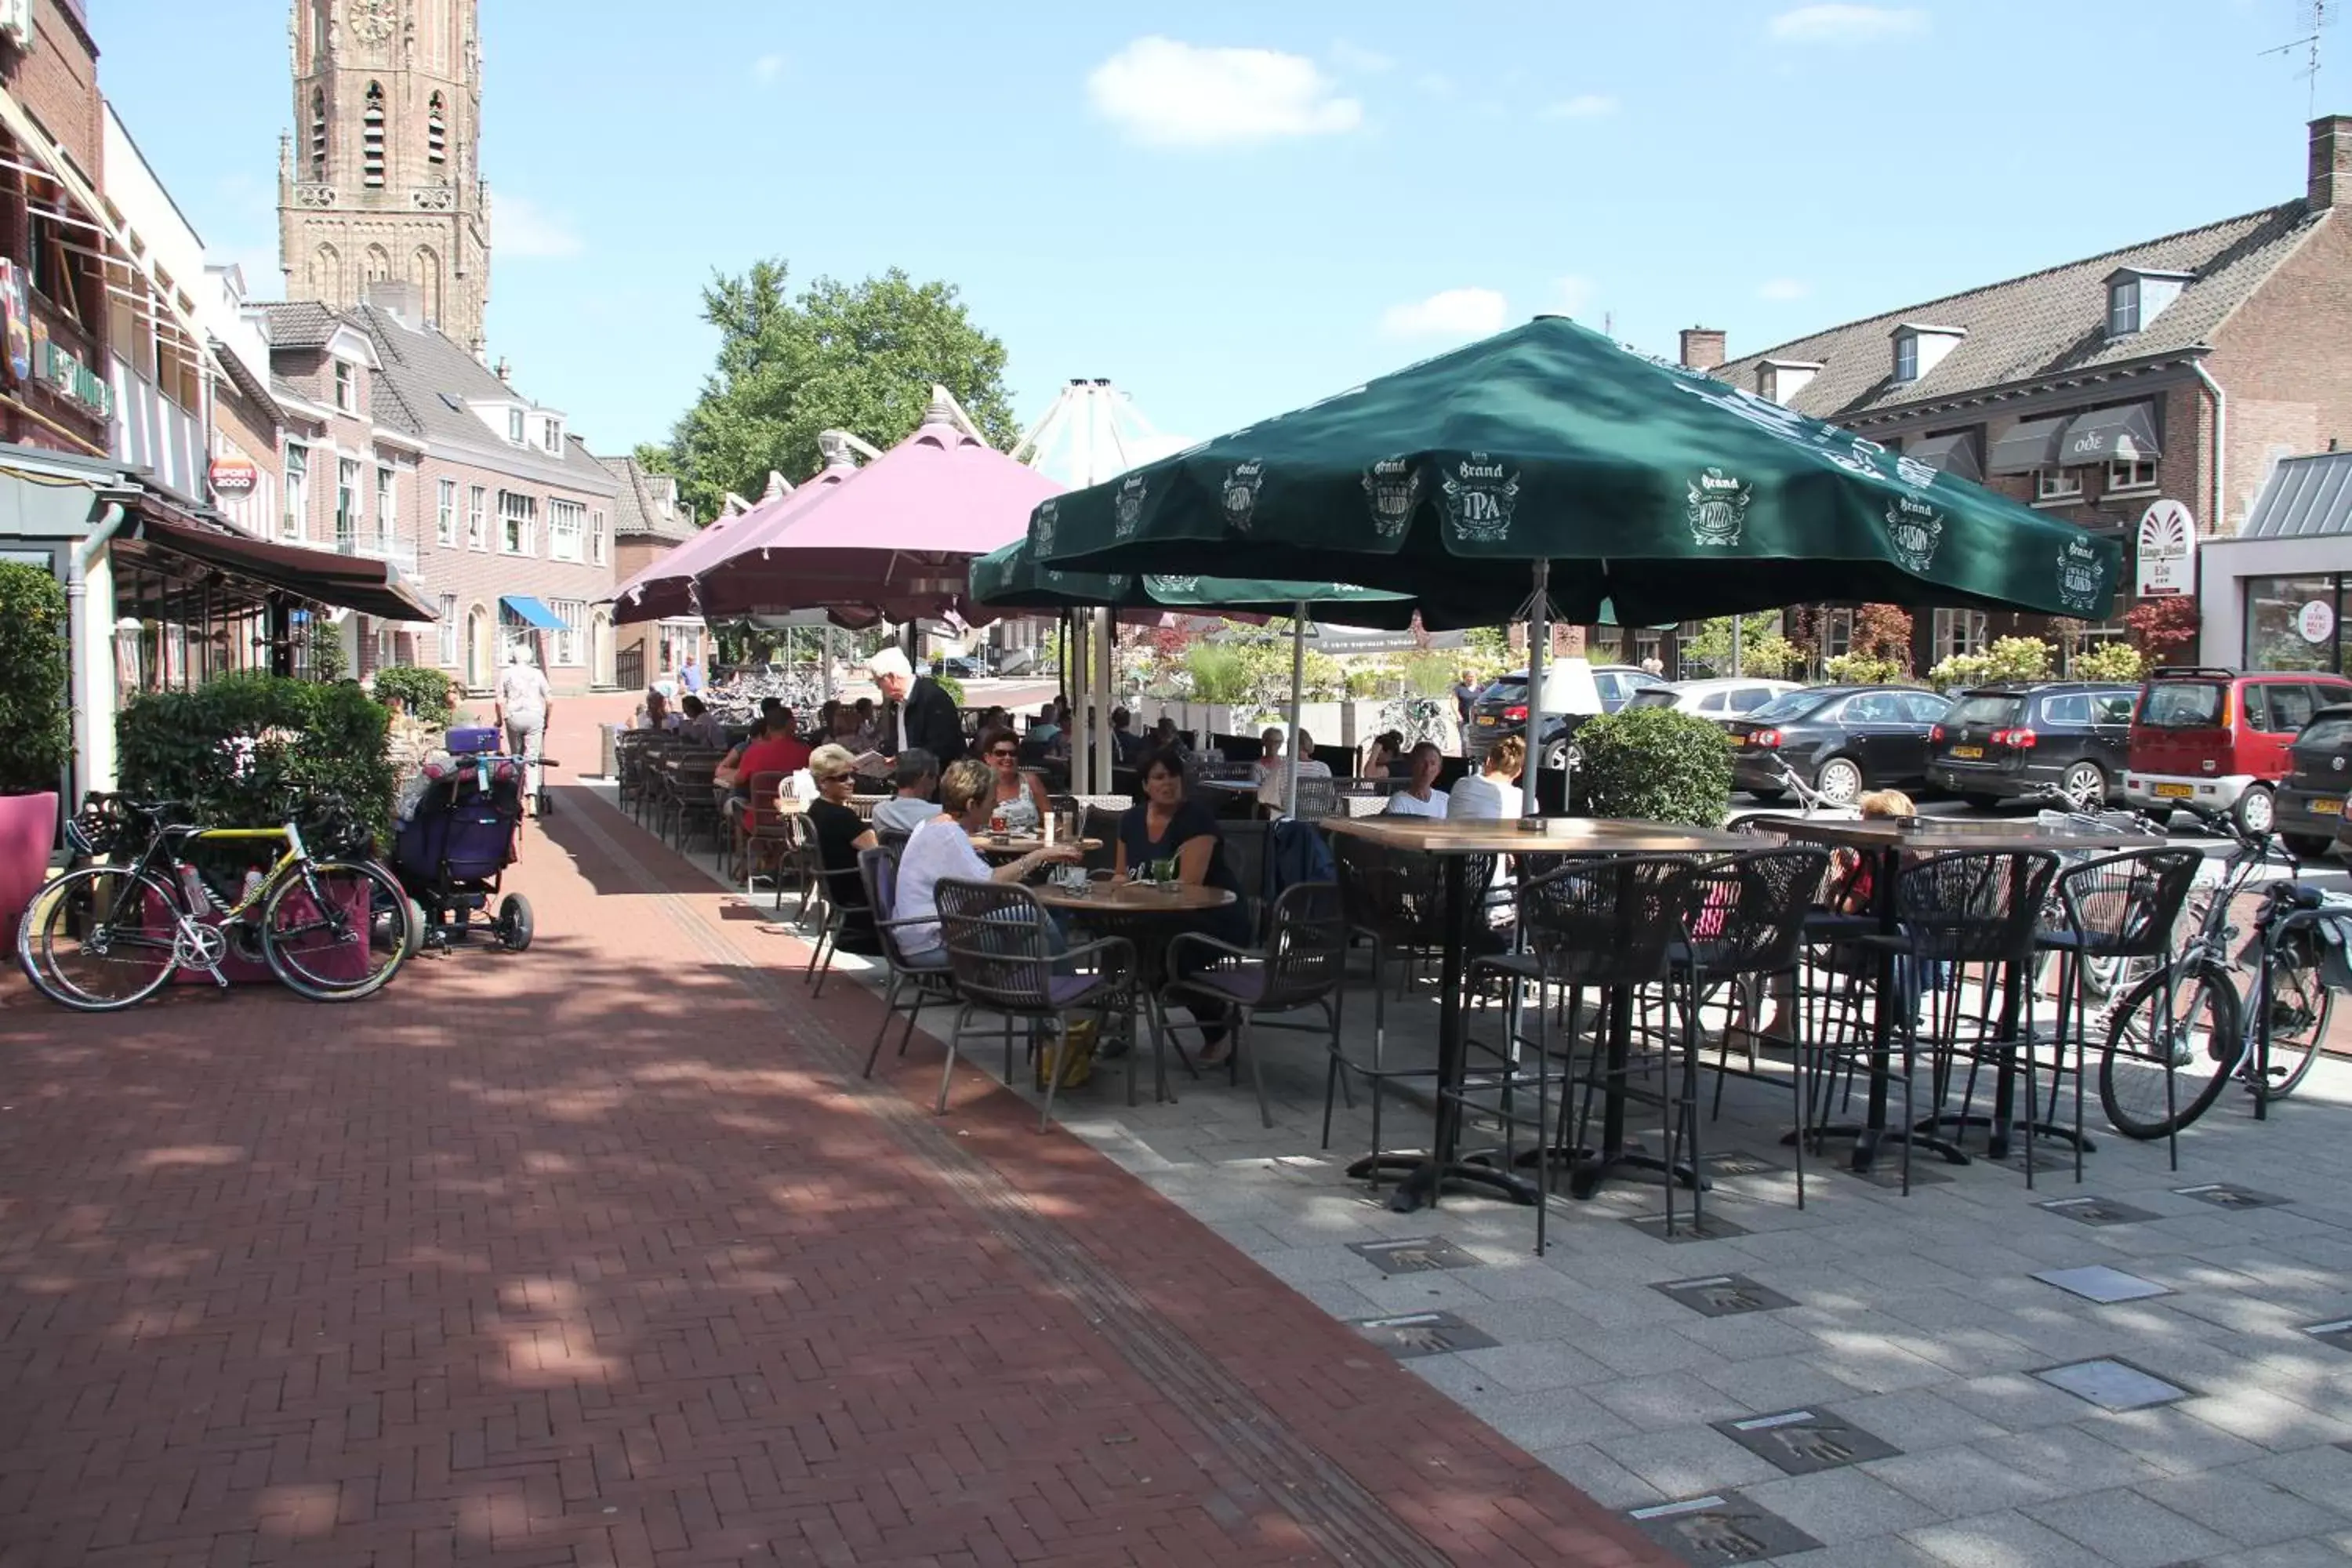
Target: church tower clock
(379, 181)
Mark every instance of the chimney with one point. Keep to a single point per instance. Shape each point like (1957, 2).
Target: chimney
(2331, 162)
(1701, 348)
(503, 371)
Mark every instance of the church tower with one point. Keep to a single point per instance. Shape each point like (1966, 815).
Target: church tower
(380, 182)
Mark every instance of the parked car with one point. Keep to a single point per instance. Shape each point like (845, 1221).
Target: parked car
(2001, 741)
(2310, 806)
(1574, 691)
(1722, 699)
(2219, 738)
(965, 667)
(1842, 740)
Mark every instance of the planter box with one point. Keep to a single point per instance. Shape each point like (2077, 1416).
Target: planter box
(28, 830)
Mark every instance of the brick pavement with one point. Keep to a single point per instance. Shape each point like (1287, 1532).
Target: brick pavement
(597, 1255)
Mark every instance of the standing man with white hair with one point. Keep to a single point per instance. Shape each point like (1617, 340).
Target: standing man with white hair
(524, 704)
(921, 713)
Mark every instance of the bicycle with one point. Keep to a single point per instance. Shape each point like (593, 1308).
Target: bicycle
(2190, 1017)
(1811, 803)
(109, 936)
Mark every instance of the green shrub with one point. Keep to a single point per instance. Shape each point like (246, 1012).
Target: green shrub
(1862, 669)
(1364, 681)
(430, 695)
(246, 749)
(2009, 659)
(2109, 662)
(1218, 674)
(951, 686)
(36, 724)
(1656, 764)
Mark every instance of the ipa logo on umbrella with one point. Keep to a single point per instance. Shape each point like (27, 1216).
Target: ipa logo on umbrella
(1128, 509)
(1480, 497)
(1915, 529)
(1395, 490)
(1718, 507)
(1242, 482)
(2081, 572)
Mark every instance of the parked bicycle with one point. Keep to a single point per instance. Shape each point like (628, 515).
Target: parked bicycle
(1811, 803)
(109, 936)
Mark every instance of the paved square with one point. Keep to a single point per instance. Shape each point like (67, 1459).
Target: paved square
(2113, 1385)
(1722, 1527)
(1711, 1227)
(2228, 1195)
(1803, 1442)
(1724, 1295)
(1413, 1255)
(2098, 1282)
(2096, 1211)
(1423, 1333)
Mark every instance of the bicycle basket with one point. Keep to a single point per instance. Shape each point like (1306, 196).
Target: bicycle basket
(97, 828)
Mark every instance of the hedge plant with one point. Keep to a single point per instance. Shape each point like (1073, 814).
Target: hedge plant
(1654, 764)
(430, 695)
(36, 724)
(246, 748)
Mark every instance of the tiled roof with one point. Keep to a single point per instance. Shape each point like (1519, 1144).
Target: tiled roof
(638, 510)
(2045, 323)
(302, 324)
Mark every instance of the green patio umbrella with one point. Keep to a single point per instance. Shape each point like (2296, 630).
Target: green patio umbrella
(1668, 493)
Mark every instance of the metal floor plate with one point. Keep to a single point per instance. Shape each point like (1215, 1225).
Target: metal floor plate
(2088, 1210)
(1721, 1528)
(2099, 1283)
(1413, 1255)
(1803, 1442)
(1723, 1295)
(1714, 1229)
(1412, 1335)
(2113, 1385)
(2228, 1195)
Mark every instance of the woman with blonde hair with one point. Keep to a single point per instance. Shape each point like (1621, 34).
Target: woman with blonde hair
(841, 833)
(1494, 790)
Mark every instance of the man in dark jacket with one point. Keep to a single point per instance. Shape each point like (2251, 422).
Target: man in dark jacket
(921, 712)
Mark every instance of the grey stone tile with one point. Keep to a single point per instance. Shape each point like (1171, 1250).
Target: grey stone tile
(2271, 1420)
(1960, 1479)
(1838, 1506)
(1296, 1265)
(1551, 1419)
(1918, 1419)
(1598, 1476)
(2014, 1401)
(1881, 1551)
(1667, 1399)
(1635, 1352)
(2068, 1456)
(1876, 1367)
(2167, 1438)
(2312, 1553)
(2321, 1475)
(1530, 1318)
(1687, 1462)
(2002, 1539)
(2242, 1506)
(1532, 1366)
(2128, 1529)
(1419, 1292)
(1781, 1383)
(1747, 1336)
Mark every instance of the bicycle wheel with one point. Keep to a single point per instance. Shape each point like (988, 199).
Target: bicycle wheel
(100, 939)
(2300, 1008)
(2169, 1053)
(337, 931)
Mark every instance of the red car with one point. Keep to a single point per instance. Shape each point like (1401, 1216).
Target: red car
(2217, 739)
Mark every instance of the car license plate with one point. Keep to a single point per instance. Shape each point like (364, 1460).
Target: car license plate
(2327, 806)
(1486, 722)
(1970, 753)
(2174, 791)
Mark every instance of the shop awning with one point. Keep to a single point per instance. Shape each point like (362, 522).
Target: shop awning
(1954, 454)
(322, 576)
(2032, 444)
(2124, 434)
(531, 611)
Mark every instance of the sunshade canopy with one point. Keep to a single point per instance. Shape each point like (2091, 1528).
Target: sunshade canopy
(529, 612)
(1009, 579)
(1672, 494)
(665, 586)
(323, 576)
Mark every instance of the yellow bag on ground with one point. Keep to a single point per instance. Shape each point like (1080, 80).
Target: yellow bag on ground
(1073, 1055)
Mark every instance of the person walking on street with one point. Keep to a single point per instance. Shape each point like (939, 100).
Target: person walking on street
(524, 704)
(690, 678)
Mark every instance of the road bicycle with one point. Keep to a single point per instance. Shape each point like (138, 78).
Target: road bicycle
(1811, 803)
(109, 936)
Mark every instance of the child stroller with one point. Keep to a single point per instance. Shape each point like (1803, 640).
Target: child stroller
(460, 838)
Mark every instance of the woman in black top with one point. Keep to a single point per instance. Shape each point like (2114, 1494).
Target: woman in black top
(1166, 827)
(841, 833)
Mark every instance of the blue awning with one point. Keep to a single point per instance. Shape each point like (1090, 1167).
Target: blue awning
(529, 612)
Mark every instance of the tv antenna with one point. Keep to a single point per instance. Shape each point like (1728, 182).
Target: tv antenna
(2313, 18)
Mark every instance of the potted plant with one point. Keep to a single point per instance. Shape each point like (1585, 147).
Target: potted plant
(35, 731)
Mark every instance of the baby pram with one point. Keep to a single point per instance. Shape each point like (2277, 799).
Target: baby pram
(459, 838)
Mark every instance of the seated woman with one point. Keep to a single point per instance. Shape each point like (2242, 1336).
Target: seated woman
(1019, 797)
(1381, 759)
(940, 848)
(1494, 790)
(1166, 829)
(841, 833)
(1274, 768)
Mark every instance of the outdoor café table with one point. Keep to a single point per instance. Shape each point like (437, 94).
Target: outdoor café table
(1891, 838)
(1012, 846)
(1452, 844)
(1149, 915)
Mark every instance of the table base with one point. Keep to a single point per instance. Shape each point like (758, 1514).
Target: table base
(1422, 1179)
(1866, 1142)
(1587, 1171)
(1997, 1146)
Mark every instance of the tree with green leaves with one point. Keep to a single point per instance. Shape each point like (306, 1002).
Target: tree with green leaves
(861, 357)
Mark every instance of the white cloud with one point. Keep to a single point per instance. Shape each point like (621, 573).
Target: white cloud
(1844, 24)
(518, 228)
(1573, 294)
(1164, 94)
(1450, 313)
(767, 68)
(1350, 56)
(1583, 106)
(1782, 290)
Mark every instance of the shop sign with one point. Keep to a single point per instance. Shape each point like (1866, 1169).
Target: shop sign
(2316, 621)
(2167, 550)
(233, 476)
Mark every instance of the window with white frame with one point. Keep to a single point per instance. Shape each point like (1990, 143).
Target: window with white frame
(566, 520)
(445, 517)
(297, 521)
(514, 425)
(518, 524)
(2132, 474)
(2057, 484)
(387, 646)
(448, 630)
(1907, 357)
(387, 521)
(596, 539)
(1958, 632)
(569, 644)
(2123, 306)
(347, 505)
(551, 435)
(347, 386)
(477, 518)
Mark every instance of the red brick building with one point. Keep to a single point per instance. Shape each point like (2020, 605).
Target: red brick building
(648, 521)
(2178, 370)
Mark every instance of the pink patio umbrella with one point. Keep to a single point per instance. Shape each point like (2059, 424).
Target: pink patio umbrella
(897, 541)
(664, 588)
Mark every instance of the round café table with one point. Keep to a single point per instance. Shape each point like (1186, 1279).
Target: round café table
(1150, 916)
(1012, 846)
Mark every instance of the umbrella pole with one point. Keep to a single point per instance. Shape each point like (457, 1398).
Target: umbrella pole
(1539, 645)
(1106, 651)
(1297, 680)
(1081, 735)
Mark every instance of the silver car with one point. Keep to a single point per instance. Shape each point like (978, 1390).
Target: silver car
(1721, 700)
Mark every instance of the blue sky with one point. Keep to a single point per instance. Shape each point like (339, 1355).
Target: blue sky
(1234, 208)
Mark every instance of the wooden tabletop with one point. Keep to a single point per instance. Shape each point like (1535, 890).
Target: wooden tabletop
(1938, 835)
(1561, 835)
(1134, 897)
(1026, 843)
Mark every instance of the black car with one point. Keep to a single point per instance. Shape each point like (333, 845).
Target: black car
(2001, 741)
(2308, 809)
(1502, 708)
(1841, 740)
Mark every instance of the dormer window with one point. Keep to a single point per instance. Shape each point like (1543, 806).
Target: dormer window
(514, 425)
(1919, 348)
(2136, 297)
(1779, 380)
(551, 435)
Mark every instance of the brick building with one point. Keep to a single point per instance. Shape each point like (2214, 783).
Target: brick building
(2175, 370)
(52, 162)
(648, 521)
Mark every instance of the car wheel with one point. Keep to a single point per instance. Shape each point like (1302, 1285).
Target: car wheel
(2255, 810)
(2306, 846)
(2084, 783)
(1839, 781)
(1554, 755)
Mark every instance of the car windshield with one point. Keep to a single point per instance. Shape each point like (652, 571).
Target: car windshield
(2331, 733)
(1652, 697)
(1506, 691)
(2182, 705)
(1985, 711)
(1792, 705)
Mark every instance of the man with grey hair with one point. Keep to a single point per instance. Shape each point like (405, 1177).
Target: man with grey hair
(921, 712)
